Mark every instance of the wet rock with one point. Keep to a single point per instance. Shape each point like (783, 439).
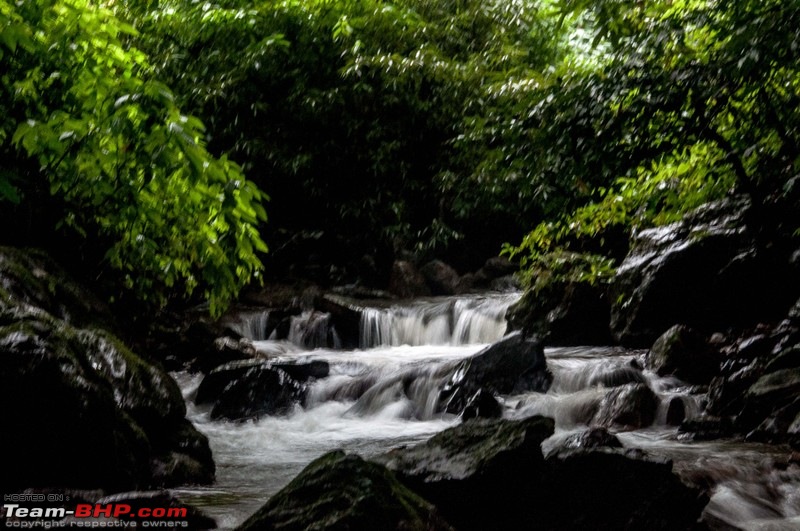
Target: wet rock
(592, 438)
(684, 353)
(193, 518)
(769, 394)
(498, 266)
(483, 405)
(512, 365)
(706, 428)
(646, 494)
(441, 278)
(339, 491)
(563, 314)
(249, 389)
(105, 418)
(481, 474)
(706, 271)
(31, 278)
(676, 411)
(619, 376)
(630, 406)
(406, 281)
(345, 317)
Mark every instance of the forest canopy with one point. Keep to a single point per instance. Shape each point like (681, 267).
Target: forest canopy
(387, 129)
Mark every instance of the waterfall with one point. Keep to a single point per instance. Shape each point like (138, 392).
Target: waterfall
(252, 326)
(463, 321)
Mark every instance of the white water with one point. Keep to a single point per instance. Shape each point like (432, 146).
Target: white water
(380, 397)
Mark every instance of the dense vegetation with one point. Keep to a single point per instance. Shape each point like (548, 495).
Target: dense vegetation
(386, 129)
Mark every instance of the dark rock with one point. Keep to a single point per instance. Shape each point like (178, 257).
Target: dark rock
(483, 405)
(225, 350)
(30, 277)
(192, 517)
(776, 427)
(646, 494)
(406, 281)
(619, 376)
(770, 393)
(563, 314)
(305, 371)
(788, 358)
(498, 266)
(339, 491)
(345, 317)
(481, 474)
(506, 283)
(592, 438)
(250, 389)
(706, 428)
(512, 365)
(631, 406)
(441, 278)
(706, 271)
(104, 416)
(676, 411)
(684, 353)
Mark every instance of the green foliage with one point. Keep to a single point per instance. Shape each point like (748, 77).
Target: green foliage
(85, 121)
(348, 113)
(689, 101)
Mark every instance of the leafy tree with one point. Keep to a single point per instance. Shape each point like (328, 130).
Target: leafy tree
(89, 132)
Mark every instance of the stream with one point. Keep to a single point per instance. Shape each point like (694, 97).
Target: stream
(383, 395)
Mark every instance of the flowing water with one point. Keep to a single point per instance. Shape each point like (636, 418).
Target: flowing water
(383, 395)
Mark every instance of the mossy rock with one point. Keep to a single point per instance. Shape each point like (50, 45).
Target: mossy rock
(338, 491)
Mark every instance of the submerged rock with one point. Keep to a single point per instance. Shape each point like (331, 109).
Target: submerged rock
(514, 364)
(481, 474)
(338, 491)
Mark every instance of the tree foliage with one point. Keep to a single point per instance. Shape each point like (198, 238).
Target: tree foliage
(88, 129)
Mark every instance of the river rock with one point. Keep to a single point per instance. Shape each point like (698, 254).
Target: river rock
(441, 278)
(338, 491)
(345, 316)
(406, 281)
(769, 394)
(630, 406)
(513, 365)
(684, 353)
(563, 314)
(706, 271)
(591, 438)
(89, 413)
(612, 489)
(482, 474)
(249, 390)
(482, 405)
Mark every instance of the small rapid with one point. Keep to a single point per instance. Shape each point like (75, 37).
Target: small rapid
(384, 394)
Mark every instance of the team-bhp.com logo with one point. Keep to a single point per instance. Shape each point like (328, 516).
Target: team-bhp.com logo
(87, 515)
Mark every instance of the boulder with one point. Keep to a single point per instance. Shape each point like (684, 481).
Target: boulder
(482, 405)
(768, 395)
(406, 281)
(514, 364)
(441, 278)
(563, 314)
(482, 474)
(618, 376)
(89, 413)
(630, 406)
(707, 271)
(31, 278)
(338, 491)
(249, 390)
(345, 316)
(612, 488)
(685, 354)
(591, 438)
